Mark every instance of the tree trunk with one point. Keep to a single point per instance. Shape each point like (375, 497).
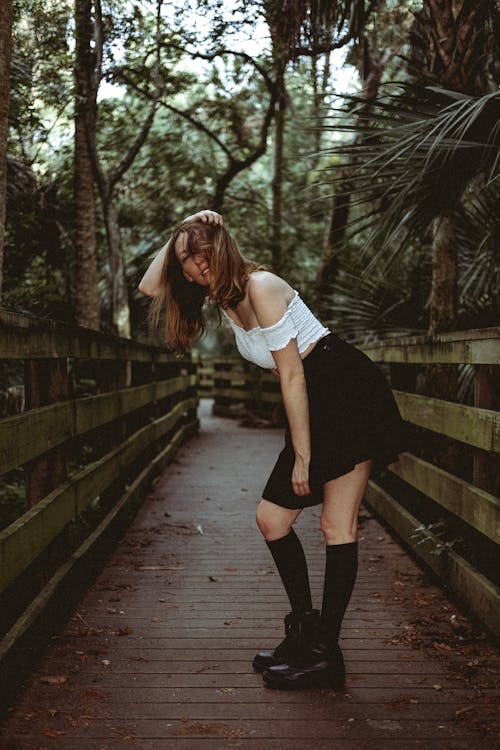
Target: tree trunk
(453, 37)
(450, 47)
(443, 302)
(86, 301)
(277, 182)
(119, 290)
(372, 71)
(5, 53)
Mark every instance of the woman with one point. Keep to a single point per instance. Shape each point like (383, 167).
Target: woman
(341, 420)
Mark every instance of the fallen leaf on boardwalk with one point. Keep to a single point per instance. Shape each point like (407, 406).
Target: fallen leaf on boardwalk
(199, 528)
(437, 687)
(56, 680)
(463, 710)
(124, 631)
(213, 578)
(106, 662)
(225, 690)
(93, 693)
(160, 567)
(54, 732)
(441, 646)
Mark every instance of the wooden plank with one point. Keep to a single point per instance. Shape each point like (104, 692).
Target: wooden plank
(329, 729)
(476, 591)
(469, 424)
(29, 535)
(74, 567)
(34, 432)
(23, 336)
(477, 346)
(475, 506)
(237, 394)
(231, 741)
(46, 382)
(486, 468)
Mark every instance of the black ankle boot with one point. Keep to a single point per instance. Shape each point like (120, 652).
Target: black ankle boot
(288, 649)
(320, 663)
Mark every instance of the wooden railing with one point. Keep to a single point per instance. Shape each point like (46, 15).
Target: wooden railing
(102, 416)
(237, 385)
(474, 500)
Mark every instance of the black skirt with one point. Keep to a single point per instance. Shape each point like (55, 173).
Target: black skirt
(353, 417)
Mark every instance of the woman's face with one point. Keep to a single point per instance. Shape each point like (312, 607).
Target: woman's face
(195, 267)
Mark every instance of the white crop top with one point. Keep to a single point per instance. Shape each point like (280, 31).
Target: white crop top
(298, 322)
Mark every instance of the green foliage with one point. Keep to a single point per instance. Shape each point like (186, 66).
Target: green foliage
(213, 66)
(420, 153)
(12, 499)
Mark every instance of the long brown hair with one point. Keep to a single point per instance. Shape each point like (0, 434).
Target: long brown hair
(229, 271)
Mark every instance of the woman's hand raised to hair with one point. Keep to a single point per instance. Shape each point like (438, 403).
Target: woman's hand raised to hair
(207, 216)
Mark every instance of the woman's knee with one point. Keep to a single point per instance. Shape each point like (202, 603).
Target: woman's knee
(272, 523)
(337, 532)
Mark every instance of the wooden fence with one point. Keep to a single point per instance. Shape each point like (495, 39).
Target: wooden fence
(475, 502)
(102, 416)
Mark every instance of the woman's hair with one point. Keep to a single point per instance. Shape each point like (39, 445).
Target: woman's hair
(229, 271)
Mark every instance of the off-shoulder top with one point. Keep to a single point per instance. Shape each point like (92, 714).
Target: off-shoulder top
(298, 322)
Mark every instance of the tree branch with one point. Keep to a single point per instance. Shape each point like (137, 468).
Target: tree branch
(117, 173)
(223, 51)
(182, 113)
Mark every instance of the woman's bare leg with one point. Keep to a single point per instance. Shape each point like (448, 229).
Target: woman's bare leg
(342, 498)
(339, 523)
(274, 521)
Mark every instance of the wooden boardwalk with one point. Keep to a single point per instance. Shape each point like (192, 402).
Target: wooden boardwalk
(158, 654)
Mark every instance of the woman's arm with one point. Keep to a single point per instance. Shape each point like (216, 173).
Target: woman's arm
(150, 283)
(268, 297)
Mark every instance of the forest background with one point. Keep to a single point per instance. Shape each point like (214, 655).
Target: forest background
(352, 146)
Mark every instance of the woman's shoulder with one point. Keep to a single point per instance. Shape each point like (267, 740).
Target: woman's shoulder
(261, 283)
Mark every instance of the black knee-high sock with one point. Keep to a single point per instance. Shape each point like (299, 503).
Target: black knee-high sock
(290, 560)
(340, 575)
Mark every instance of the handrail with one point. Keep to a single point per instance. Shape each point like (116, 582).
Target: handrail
(80, 453)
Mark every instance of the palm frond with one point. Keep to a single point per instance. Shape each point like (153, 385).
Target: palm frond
(414, 158)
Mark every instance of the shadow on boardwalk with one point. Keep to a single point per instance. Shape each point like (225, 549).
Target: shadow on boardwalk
(158, 653)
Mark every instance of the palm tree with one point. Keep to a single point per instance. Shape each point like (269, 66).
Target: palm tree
(418, 157)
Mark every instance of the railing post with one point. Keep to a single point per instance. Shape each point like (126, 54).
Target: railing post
(113, 375)
(192, 391)
(486, 468)
(46, 382)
